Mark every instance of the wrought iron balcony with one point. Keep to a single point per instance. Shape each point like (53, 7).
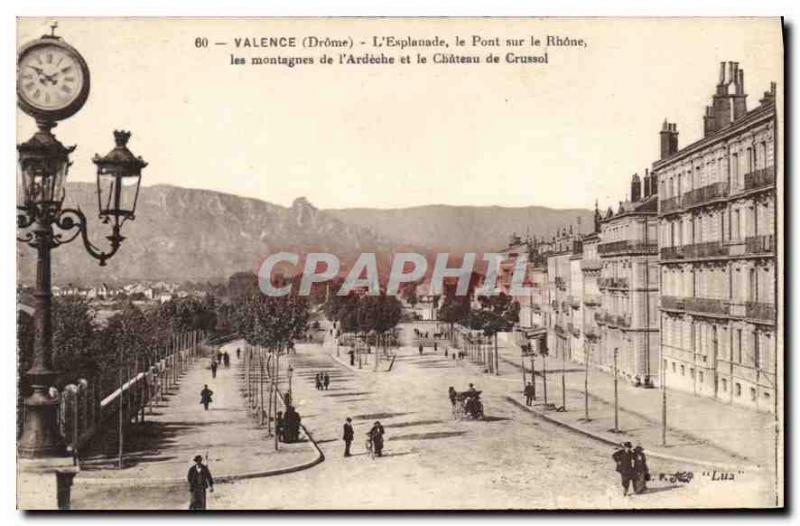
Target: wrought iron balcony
(560, 283)
(709, 305)
(591, 264)
(618, 247)
(706, 194)
(669, 205)
(760, 311)
(591, 300)
(614, 283)
(591, 333)
(672, 302)
(759, 178)
(760, 244)
(672, 252)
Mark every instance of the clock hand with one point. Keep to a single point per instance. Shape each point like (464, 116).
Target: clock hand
(40, 71)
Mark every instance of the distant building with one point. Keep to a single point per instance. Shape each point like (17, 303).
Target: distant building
(717, 224)
(590, 296)
(628, 284)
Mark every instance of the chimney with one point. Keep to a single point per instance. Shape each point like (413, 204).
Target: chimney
(647, 188)
(769, 96)
(739, 96)
(636, 188)
(669, 139)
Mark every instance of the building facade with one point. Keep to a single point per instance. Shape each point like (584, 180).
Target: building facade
(628, 252)
(717, 225)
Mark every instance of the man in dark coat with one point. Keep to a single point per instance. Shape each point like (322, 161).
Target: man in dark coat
(528, 394)
(280, 427)
(199, 479)
(326, 380)
(205, 396)
(213, 368)
(347, 436)
(624, 459)
(376, 436)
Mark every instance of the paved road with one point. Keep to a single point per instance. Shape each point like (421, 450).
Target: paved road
(512, 460)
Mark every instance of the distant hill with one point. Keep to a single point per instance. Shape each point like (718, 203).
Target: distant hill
(462, 228)
(188, 234)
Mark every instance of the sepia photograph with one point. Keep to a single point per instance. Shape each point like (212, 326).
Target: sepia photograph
(400, 264)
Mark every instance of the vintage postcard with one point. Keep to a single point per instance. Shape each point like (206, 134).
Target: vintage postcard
(400, 263)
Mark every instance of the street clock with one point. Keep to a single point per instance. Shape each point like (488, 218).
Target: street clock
(52, 79)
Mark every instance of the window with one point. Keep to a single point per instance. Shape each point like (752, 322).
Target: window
(752, 394)
(738, 389)
(673, 367)
(691, 372)
(756, 351)
(724, 385)
(700, 376)
(739, 345)
(683, 370)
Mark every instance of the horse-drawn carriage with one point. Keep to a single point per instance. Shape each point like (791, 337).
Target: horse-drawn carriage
(468, 405)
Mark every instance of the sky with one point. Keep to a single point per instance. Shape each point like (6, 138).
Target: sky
(561, 135)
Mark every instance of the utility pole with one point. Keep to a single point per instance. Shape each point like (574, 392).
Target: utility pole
(121, 410)
(533, 373)
(544, 377)
(616, 393)
(563, 378)
(586, 383)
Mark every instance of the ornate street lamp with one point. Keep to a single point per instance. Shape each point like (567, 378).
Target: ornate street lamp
(53, 84)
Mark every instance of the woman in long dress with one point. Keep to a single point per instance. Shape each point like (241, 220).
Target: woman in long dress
(641, 474)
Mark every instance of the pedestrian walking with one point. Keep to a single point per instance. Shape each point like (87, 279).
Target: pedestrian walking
(200, 479)
(326, 380)
(435, 346)
(376, 437)
(347, 435)
(451, 392)
(641, 473)
(420, 349)
(238, 353)
(318, 381)
(445, 351)
(213, 368)
(291, 424)
(529, 394)
(226, 359)
(352, 354)
(624, 460)
(205, 397)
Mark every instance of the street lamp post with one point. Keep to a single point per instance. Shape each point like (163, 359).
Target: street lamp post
(49, 95)
(43, 167)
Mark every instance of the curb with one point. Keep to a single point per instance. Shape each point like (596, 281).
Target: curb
(130, 482)
(650, 453)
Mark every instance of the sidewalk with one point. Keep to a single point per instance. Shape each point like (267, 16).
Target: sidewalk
(159, 451)
(694, 423)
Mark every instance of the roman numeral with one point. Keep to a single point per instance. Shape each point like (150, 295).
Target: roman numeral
(47, 97)
(29, 85)
(49, 58)
(65, 88)
(69, 79)
(36, 94)
(64, 70)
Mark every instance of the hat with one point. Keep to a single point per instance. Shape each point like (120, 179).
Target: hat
(627, 444)
(198, 458)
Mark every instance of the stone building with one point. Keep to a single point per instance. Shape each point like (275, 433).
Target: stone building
(561, 321)
(717, 224)
(628, 252)
(590, 268)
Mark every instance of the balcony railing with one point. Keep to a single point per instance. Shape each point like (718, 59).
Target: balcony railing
(623, 321)
(760, 244)
(698, 250)
(616, 247)
(591, 300)
(672, 253)
(560, 283)
(600, 318)
(713, 306)
(707, 193)
(759, 178)
(574, 330)
(672, 302)
(668, 205)
(591, 333)
(613, 283)
(559, 329)
(574, 301)
(760, 311)
(591, 265)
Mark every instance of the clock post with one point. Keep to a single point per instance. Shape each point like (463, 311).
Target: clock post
(52, 85)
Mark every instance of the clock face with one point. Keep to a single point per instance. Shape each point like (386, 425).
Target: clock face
(52, 80)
